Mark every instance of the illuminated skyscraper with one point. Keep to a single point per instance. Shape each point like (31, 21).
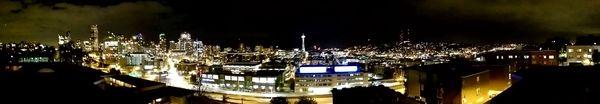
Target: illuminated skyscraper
(94, 38)
(198, 49)
(65, 38)
(139, 39)
(173, 45)
(185, 41)
(162, 44)
(405, 35)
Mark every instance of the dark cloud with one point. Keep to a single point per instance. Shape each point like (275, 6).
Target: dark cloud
(42, 22)
(328, 22)
(511, 19)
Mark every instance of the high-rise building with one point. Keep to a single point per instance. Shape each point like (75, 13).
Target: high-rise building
(94, 38)
(64, 38)
(162, 44)
(242, 48)
(185, 41)
(173, 45)
(404, 35)
(198, 49)
(303, 45)
(139, 39)
(582, 54)
(258, 48)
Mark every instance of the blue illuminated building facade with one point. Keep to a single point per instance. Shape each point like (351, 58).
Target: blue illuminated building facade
(323, 78)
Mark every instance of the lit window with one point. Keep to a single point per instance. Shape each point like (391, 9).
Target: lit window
(227, 77)
(526, 56)
(589, 50)
(570, 50)
(545, 56)
(510, 56)
(497, 57)
(578, 50)
(263, 80)
(551, 57)
(271, 80)
(240, 78)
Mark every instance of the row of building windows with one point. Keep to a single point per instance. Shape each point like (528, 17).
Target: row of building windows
(210, 76)
(579, 50)
(314, 75)
(329, 80)
(350, 79)
(34, 59)
(313, 84)
(328, 75)
(314, 80)
(584, 56)
(526, 56)
(242, 86)
(241, 78)
(351, 83)
(263, 80)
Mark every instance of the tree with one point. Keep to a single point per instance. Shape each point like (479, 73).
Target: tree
(306, 100)
(279, 100)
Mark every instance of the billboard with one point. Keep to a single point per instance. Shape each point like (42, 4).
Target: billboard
(345, 69)
(313, 69)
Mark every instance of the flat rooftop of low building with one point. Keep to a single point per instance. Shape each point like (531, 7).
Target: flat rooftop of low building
(251, 73)
(243, 63)
(274, 65)
(135, 81)
(268, 73)
(458, 69)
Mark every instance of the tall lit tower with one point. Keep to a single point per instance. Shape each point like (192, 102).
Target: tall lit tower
(303, 46)
(94, 38)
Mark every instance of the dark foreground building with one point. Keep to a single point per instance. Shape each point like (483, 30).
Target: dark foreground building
(52, 83)
(552, 85)
(456, 82)
(371, 95)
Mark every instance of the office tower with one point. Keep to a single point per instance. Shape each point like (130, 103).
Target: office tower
(65, 38)
(94, 38)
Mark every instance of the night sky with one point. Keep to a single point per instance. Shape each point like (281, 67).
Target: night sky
(330, 23)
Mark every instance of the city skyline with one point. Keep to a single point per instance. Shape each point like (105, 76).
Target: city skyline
(344, 21)
(300, 52)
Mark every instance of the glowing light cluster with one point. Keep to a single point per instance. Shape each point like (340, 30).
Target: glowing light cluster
(346, 68)
(313, 69)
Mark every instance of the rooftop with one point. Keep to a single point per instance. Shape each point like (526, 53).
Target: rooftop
(555, 85)
(243, 63)
(458, 69)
